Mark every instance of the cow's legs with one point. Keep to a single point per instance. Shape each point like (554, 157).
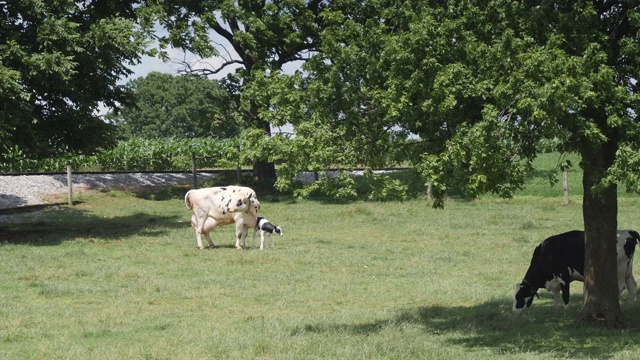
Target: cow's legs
(554, 287)
(245, 232)
(632, 287)
(198, 222)
(556, 298)
(241, 234)
(199, 228)
(253, 242)
(559, 284)
(564, 287)
(206, 235)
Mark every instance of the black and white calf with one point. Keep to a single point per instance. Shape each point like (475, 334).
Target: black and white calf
(265, 228)
(559, 259)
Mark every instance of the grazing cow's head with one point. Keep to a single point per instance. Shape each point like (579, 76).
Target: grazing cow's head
(524, 297)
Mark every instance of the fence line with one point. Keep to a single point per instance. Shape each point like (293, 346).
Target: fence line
(194, 172)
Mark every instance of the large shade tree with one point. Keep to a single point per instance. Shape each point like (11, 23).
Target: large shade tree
(60, 60)
(482, 84)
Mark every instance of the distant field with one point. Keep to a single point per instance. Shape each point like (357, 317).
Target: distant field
(546, 165)
(119, 277)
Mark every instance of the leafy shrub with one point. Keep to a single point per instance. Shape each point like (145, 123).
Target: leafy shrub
(393, 186)
(389, 189)
(330, 184)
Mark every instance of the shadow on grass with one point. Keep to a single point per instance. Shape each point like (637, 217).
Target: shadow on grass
(177, 192)
(162, 193)
(543, 175)
(492, 325)
(266, 192)
(69, 224)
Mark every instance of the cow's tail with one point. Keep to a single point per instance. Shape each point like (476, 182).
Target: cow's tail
(187, 202)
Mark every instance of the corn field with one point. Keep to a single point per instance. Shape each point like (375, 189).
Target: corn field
(136, 155)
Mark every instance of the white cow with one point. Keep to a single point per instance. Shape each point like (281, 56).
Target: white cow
(222, 205)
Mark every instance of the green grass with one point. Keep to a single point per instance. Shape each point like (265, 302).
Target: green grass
(119, 277)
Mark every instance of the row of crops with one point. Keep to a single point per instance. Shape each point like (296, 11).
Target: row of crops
(136, 155)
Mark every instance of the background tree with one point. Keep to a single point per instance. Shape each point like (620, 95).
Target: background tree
(176, 106)
(59, 61)
(481, 85)
(254, 36)
(333, 103)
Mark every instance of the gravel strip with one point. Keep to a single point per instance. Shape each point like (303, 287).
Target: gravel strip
(25, 190)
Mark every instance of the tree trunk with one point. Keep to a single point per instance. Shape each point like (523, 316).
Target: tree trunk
(600, 211)
(263, 170)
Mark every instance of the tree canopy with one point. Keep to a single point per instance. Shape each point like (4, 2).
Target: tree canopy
(481, 85)
(59, 61)
(177, 106)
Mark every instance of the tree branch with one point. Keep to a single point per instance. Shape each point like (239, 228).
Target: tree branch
(223, 32)
(189, 69)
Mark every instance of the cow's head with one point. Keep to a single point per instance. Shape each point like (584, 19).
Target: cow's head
(254, 204)
(238, 204)
(245, 204)
(524, 297)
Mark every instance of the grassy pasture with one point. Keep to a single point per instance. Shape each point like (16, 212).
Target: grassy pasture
(119, 277)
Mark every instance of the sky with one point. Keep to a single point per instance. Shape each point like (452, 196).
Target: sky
(150, 64)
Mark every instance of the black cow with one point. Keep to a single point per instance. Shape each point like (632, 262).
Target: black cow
(559, 259)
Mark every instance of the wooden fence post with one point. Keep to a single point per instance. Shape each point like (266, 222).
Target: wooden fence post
(70, 184)
(194, 170)
(239, 170)
(565, 185)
